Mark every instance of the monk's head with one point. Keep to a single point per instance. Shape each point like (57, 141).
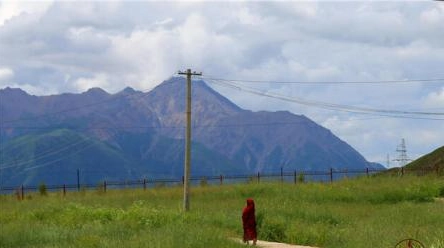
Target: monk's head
(250, 202)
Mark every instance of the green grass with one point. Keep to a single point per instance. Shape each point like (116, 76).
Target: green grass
(365, 212)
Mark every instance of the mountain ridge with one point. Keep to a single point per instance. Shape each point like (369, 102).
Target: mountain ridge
(226, 138)
(433, 161)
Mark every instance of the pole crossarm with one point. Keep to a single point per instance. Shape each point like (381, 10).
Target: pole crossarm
(188, 72)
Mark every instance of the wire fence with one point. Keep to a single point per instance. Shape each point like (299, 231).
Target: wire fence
(282, 176)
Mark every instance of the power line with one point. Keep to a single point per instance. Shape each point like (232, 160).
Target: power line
(60, 159)
(334, 106)
(45, 154)
(167, 127)
(435, 80)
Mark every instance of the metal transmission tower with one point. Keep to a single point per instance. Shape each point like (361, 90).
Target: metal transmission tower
(402, 151)
(388, 160)
(186, 179)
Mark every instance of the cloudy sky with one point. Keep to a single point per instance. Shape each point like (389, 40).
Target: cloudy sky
(50, 47)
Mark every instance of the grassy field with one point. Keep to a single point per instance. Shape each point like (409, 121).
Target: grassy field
(366, 212)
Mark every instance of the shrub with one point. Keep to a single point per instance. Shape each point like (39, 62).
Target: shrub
(203, 182)
(101, 187)
(43, 189)
(271, 230)
(441, 192)
(301, 178)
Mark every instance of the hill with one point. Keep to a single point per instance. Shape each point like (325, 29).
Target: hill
(133, 134)
(429, 162)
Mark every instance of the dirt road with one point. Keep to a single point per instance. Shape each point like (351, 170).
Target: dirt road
(266, 244)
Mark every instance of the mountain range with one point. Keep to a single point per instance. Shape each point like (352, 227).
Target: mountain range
(134, 135)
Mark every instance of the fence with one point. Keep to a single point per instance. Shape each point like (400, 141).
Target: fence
(294, 177)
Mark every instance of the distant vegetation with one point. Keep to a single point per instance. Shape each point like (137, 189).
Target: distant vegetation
(431, 161)
(377, 211)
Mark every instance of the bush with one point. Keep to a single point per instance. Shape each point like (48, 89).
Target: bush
(301, 178)
(203, 182)
(441, 192)
(42, 189)
(272, 230)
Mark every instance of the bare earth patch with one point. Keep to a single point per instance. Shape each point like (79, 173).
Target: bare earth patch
(266, 244)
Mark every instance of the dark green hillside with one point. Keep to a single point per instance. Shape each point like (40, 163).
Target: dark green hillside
(162, 157)
(56, 156)
(431, 161)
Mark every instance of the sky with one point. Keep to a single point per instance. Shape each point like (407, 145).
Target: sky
(261, 55)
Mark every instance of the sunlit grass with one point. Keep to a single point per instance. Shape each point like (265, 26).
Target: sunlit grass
(365, 212)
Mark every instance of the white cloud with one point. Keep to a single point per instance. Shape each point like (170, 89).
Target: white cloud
(433, 16)
(155, 55)
(247, 17)
(11, 9)
(6, 73)
(100, 80)
(435, 100)
(66, 46)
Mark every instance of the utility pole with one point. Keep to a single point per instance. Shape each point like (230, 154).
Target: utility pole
(186, 181)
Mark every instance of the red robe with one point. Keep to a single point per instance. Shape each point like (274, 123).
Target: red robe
(249, 221)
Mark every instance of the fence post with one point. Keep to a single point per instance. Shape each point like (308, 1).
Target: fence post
(282, 174)
(104, 186)
(402, 171)
(183, 180)
(22, 192)
(64, 189)
(258, 177)
(366, 171)
(144, 184)
(78, 180)
(221, 179)
(331, 175)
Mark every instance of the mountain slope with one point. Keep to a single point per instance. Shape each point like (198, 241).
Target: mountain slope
(133, 134)
(262, 141)
(432, 161)
(55, 156)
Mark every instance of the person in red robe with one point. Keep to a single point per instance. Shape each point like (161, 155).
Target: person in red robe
(249, 222)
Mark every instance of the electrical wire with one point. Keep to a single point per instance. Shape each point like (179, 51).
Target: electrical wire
(169, 127)
(334, 106)
(60, 159)
(434, 80)
(45, 154)
(232, 84)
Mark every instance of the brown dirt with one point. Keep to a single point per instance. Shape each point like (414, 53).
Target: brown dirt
(266, 244)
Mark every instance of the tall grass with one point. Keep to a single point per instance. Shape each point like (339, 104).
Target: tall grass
(365, 212)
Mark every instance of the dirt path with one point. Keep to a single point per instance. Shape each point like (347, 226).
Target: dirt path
(266, 244)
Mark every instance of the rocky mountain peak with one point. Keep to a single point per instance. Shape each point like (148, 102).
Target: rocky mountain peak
(96, 92)
(145, 131)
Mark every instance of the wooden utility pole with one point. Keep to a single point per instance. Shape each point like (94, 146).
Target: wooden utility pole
(186, 181)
